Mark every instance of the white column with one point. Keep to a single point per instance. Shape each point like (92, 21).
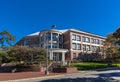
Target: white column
(63, 56)
(51, 55)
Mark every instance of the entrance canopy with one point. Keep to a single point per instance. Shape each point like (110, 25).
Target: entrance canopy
(57, 54)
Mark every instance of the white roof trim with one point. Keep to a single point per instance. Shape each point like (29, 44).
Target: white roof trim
(86, 33)
(33, 34)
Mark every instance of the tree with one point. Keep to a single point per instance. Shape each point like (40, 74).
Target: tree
(6, 38)
(110, 47)
(26, 54)
(116, 34)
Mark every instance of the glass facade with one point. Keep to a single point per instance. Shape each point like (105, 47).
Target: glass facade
(54, 36)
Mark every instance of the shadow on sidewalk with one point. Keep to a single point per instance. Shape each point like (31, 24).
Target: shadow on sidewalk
(104, 77)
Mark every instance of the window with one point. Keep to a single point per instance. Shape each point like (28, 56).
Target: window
(74, 55)
(54, 45)
(93, 48)
(97, 41)
(83, 39)
(84, 47)
(60, 38)
(92, 40)
(101, 42)
(78, 38)
(49, 45)
(42, 45)
(60, 46)
(49, 36)
(74, 46)
(35, 41)
(88, 47)
(73, 37)
(27, 42)
(78, 46)
(87, 39)
(54, 37)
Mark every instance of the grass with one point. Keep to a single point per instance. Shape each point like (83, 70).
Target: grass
(91, 65)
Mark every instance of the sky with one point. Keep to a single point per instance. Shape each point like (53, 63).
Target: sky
(23, 17)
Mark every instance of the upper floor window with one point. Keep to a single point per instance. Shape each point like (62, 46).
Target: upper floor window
(60, 38)
(83, 39)
(97, 41)
(87, 47)
(78, 38)
(35, 41)
(27, 42)
(78, 46)
(84, 47)
(87, 39)
(74, 46)
(101, 42)
(49, 36)
(92, 40)
(73, 37)
(54, 37)
(54, 45)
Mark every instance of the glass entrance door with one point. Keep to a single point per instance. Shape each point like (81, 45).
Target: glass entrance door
(56, 56)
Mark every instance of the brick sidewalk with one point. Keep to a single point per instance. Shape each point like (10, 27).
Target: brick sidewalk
(22, 75)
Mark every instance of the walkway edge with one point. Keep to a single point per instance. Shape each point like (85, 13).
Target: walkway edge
(28, 79)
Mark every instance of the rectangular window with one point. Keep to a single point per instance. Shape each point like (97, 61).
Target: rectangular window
(27, 42)
(60, 38)
(87, 39)
(84, 47)
(87, 47)
(54, 37)
(49, 36)
(54, 45)
(74, 46)
(78, 46)
(83, 39)
(73, 37)
(78, 38)
(101, 42)
(92, 40)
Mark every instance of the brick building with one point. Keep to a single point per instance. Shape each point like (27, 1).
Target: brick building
(66, 44)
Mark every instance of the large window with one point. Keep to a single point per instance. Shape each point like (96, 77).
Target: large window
(73, 37)
(83, 39)
(87, 47)
(87, 39)
(60, 38)
(78, 38)
(54, 37)
(78, 46)
(54, 45)
(35, 41)
(84, 47)
(74, 46)
(49, 36)
(27, 42)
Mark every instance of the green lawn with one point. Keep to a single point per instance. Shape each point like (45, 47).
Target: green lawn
(91, 65)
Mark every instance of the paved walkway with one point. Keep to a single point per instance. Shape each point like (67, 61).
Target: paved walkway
(23, 75)
(114, 73)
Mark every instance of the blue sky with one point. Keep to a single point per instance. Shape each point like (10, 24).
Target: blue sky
(23, 17)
